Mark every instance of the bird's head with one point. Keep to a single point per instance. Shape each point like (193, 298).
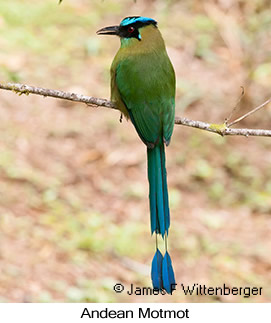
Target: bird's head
(129, 28)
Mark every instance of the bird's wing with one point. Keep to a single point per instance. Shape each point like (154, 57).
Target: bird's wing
(115, 94)
(148, 93)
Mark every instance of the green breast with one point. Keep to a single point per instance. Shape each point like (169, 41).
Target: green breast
(145, 84)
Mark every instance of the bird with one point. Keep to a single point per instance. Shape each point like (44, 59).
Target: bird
(143, 86)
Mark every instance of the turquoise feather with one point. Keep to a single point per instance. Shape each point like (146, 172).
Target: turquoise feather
(156, 270)
(132, 20)
(158, 193)
(168, 277)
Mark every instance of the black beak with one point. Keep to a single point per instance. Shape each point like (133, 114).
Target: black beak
(112, 30)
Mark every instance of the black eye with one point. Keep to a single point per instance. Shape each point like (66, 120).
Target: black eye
(131, 29)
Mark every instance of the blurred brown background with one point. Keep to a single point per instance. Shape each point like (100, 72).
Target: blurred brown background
(74, 213)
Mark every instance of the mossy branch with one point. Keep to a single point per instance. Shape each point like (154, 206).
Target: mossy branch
(221, 129)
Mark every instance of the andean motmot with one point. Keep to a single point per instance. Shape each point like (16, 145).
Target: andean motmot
(143, 89)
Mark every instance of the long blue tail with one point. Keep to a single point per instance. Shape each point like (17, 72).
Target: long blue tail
(158, 195)
(162, 271)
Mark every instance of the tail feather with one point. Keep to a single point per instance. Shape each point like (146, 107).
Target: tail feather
(152, 191)
(160, 204)
(165, 191)
(158, 195)
(168, 274)
(156, 270)
(162, 271)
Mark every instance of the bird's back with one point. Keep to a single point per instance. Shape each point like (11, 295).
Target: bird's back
(143, 83)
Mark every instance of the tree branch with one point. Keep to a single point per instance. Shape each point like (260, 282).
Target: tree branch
(221, 129)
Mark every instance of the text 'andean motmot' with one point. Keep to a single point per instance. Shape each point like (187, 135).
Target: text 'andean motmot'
(143, 89)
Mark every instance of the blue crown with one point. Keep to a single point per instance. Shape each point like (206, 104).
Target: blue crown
(131, 20)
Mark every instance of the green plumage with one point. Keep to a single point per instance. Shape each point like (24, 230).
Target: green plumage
(143, 89)
(146, 91)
